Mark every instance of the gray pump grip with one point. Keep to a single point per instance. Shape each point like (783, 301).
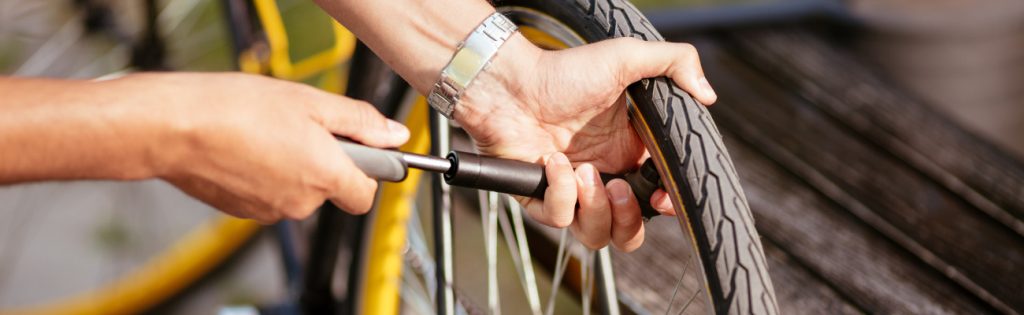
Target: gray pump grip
(380, 164)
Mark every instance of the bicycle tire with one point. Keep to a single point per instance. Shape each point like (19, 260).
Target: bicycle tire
(688, 149)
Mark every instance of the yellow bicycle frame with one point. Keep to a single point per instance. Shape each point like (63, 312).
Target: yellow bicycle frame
(388, 231)
(280, 63)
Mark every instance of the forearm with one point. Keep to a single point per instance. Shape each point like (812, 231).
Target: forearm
(418, 38)
(415, 37)
(65, 129)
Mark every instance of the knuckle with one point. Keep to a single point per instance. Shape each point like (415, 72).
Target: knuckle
(560, 220)
(594, 243)
(358, 203)
(628, 242)
(267, 218)
(359, 118)
(687, 48)
(300, 208)
(360, 211)
(362, 196)
(363, 207)
(367, 113)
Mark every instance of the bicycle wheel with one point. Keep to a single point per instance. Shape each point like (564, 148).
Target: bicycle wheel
(713, 214)
(686, 147)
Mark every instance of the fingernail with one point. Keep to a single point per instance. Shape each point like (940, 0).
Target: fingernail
(661, 200)
(704, 85)
(397, 128)
(585, 174)
(619, 191)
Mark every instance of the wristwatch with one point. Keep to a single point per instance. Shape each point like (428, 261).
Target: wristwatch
(471, 57)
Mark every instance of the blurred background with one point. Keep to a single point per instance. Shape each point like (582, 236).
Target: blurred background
(947, 135)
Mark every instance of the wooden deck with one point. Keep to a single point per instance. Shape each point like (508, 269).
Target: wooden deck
(867, 200)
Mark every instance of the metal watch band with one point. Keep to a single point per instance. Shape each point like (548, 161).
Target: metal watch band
(471, 56)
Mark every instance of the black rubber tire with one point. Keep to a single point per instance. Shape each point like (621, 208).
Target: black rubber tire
(728, 245)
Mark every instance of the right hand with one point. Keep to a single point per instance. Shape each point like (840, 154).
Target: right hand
(566, 108)
(261, 148)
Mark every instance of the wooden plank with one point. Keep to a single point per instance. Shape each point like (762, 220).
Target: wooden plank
(646, 278)
(845, 88)
(860, 263)
(799, 290)
(891, 195)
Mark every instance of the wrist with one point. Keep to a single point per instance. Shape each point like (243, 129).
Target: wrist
(152, 122)
(499, 87)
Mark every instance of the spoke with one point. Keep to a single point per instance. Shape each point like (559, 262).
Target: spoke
(694, 296)
(679, 282)
(176, 23)
(413, 292)
(96, 69)
(587, 280)
(606, 281)
(441, 144)
(489, 215)
(510, 240)
(521, 252)
(54, 47)
(584, 280)
(175, 13)
(413, 278)
(418, 256)
(460, 308)
(561, 263)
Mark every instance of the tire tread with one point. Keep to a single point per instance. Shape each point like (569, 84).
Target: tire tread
(706, 163)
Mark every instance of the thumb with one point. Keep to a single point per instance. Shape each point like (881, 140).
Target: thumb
(638, 59)
(361, 122)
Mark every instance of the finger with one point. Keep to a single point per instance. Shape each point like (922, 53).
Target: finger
(350, 189)
(642, 59)
(213, 195)
(560, 196)
(627, 226)
(361, 122)
(533, 207)
(594, 217)
(661, 202)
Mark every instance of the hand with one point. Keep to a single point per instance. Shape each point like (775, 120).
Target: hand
(260, 148)
(567, 108)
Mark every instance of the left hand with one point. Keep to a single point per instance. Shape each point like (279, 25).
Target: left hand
(567, 108)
